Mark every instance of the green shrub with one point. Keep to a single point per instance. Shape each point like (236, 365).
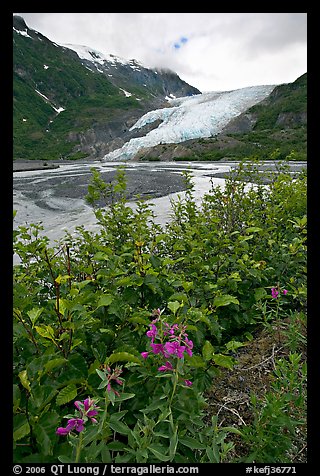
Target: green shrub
(84, 310)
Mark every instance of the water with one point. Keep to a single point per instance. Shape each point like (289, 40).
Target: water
(55, 197)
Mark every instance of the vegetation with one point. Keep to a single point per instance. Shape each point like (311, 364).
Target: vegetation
(87, 97)
(287, 98)
(119, 335)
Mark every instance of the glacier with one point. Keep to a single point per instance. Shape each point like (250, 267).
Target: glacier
(191, 117)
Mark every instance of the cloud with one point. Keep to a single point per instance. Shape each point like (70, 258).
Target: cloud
(212, 51)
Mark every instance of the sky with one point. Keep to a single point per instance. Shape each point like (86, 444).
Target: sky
(210, 51)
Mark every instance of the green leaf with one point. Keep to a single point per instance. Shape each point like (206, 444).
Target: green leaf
(63, 306)
(67, 394)
(125, 396)
(116, 446)
(62, 279)
(21, 427)
(37, 367)
(24, 380)
(103, 384)
(119, 426)
(119, 415)
(123, 356)
(65, 459)
(138, 320)
(196, 361)
(180, 297)
(253, 229)
(174, 306)
(224, 361)
(155, 261)
(100, 351)
(44, 431)
(34, 314)
(191, 327)
(107, 331)
(158, 454)
(245, 238)
(213, 454)
(41, 395)
(75, 343)
(105, 455)
(187, 285)
(207, 351)
(16, 397)
(105, 300)
(231, 429)
(75, 371)
(45, 331)
(173, 443)
(162, 434)
(259, 294)
(224, 300)
(233, 345)
(102, 375)
(191, 443)
(58, 362)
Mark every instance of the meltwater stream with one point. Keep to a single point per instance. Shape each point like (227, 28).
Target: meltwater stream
(55, 197)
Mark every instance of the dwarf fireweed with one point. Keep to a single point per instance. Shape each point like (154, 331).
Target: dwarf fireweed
(109, 377)
(86, 410)
(169, 341)
(275, 292)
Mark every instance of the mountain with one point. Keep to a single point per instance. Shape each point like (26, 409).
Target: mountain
(72, 101)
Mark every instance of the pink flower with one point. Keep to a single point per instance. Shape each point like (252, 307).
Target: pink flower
(275, 293)
(174, 348)
(152, 332)
(189, 346)
(285, 291)
(62, 431)
(73, 424)
(87, 408)
(188, 383)
(144, 354)
(157, 348)
(166, 366)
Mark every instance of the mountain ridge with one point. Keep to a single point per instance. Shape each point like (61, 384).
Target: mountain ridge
(96, 109)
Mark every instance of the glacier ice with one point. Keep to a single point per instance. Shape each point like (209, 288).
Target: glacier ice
(191, 117)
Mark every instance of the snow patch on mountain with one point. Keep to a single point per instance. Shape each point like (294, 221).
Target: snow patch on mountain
(126, 93)
(23, 33)
(90, 54)
(191, 117)
(57, 109)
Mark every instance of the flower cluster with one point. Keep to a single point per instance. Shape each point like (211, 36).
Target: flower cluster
(172, 342)
(87, 410)
(113, 374)
(275, 292)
